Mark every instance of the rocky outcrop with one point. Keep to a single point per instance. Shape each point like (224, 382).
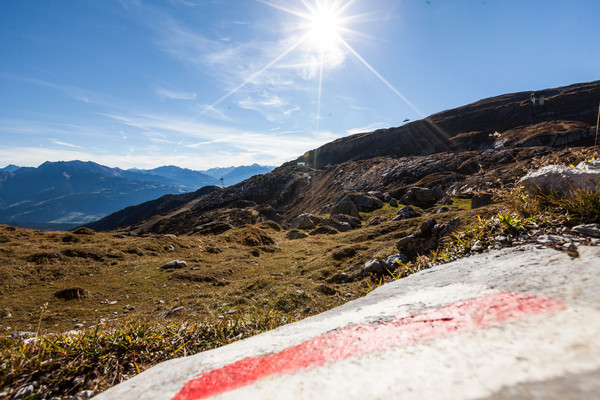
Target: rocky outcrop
(561, 179)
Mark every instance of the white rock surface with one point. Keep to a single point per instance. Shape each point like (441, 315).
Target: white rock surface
(563, 179)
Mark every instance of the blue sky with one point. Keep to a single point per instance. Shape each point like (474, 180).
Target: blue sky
(208, 83)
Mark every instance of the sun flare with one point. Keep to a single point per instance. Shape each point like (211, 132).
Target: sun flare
(324, 27)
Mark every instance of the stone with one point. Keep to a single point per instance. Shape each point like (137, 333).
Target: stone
(374, 267)
(84, 395)
(420, 197)
(325, 209)
(336, 224)
(296, 234)
(324, 230)
(427, 226)
(405, 212)
(24, 391)
(353, 221)
(548, 239)
(174, 264)
(366, 203)
(378, 194)
(390, 261)
(74, 293)
(376, 221)
(393, 202)
(477, 246)
(481, 200)
(213, 228)
(346, 207)
(561, 179)
(592, 230)
(305, 221)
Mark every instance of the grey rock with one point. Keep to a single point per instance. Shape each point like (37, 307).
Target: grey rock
(390, 261)
(24, 391)
(393, 203)
(336, 224)
(374, 266)
(548, 239)
(477, 246)
(346, 207)
(592, 230)
(426, 227)
(305, 221)
(296, 234)
(376, 221)
(420, 197)
(452, 226)
(378, 194)
(84, 395)
(353, 221)
(174, 264)
(481, 200)
(405, 212)
(366, 203)
(324, 230)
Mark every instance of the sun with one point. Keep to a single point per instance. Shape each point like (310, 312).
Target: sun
(324, 27)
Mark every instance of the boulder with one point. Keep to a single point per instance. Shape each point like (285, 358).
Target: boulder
(346, 207)
(393, 202)
(324, 230)
(305, 221)
(374, 267)
(405, 212)
(353, 221)
(380, 195)
(365, 202)
(564, 180)
(390, 261)
(336, 224)
(296, 234)
(175, 264)
(481, 200)
(592, 230)
(420, 197)
(75, 293)
(376, 221)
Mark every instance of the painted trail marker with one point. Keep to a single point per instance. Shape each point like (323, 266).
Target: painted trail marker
(463, 316)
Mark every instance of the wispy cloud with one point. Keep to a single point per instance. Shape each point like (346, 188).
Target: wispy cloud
(175, 95)
(74, 92)
(61, 143)
(368, 128)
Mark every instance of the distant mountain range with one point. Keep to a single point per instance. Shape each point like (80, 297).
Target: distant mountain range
(62, 195)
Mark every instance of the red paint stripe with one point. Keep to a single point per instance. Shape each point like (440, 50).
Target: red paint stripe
(464, 316)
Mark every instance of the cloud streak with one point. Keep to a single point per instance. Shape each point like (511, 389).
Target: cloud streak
(175, 95)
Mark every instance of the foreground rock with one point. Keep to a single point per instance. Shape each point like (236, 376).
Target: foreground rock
(521, 320)
(561, 179)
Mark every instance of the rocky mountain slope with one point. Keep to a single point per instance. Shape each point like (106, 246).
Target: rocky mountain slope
(475, 148)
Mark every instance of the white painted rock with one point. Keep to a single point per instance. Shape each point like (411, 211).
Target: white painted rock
(562, 179)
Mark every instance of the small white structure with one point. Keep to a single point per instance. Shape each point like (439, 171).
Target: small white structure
(539, 100)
